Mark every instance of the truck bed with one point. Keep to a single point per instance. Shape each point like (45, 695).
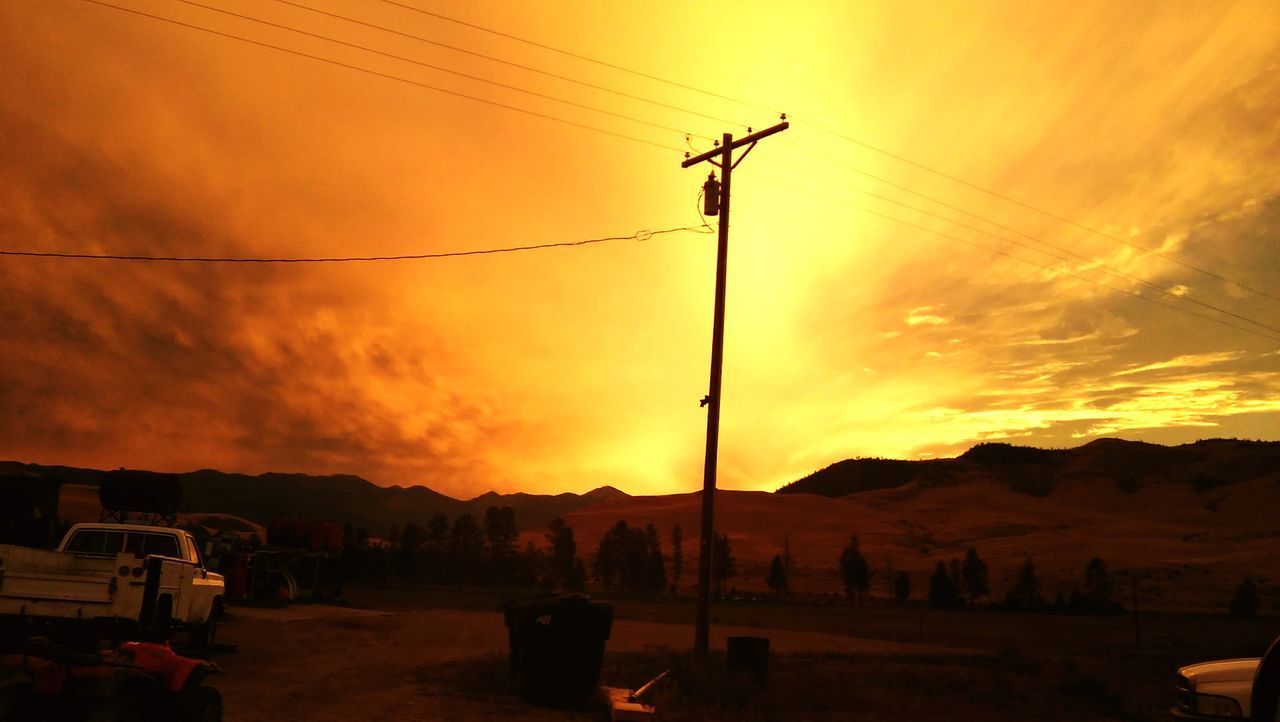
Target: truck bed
(40, 583)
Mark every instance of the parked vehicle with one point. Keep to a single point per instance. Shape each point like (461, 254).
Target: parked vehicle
(129, 682)
(1242, 689)
(121, 573)
(85, 627)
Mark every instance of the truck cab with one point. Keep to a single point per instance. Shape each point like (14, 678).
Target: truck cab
(196, 604)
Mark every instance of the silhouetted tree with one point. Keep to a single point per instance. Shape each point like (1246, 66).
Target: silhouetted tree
(438, 531)
(655, 576)
(1025, 594)
(787, 565)
(564, 550)
(466, 548)
(854, 570)
(528, 565)
(902, 586)
(500, 536)
(1097, 594)
(435, 550)
(677, 558)
(723, 564)
(777, 579)
(630, 558)
(974, 575)
(577, 581)
(606, 568)
(943, 591)
(1244, 605)
(410, 540)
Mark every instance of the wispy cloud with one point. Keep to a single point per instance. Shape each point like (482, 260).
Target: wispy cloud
(1187, 361)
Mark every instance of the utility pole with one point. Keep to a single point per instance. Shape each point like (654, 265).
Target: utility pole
(726, 163)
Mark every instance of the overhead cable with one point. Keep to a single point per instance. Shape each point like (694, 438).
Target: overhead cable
(521, 66)
(579, 56)
(1042, 211)
(643, 235)
(1061, 254)
(1135, 294)
(388, 76)
(442, 69)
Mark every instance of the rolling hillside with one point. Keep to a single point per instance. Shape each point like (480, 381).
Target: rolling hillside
(1190, 521)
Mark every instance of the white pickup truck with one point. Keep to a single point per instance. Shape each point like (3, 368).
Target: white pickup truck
(151, 576)
(1240, 689)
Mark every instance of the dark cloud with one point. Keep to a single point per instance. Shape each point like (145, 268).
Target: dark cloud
(187, 366)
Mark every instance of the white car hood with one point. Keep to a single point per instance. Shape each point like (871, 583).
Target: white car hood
(1231, 678)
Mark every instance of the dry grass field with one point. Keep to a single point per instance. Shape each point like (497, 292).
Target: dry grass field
(1189, 549)
(394, 654)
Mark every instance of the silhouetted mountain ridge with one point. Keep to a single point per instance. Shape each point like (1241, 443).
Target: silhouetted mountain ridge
(340, 497)
(1131, 465)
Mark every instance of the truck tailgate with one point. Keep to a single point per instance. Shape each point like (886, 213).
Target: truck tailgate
(17, 585)
(38, 581)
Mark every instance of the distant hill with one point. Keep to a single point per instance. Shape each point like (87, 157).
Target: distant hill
(1130, 465)
(1190, 521)
(340, 497)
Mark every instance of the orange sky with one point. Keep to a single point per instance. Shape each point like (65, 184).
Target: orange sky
(848, 334)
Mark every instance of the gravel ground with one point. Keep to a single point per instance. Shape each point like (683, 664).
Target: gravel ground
(314, 662)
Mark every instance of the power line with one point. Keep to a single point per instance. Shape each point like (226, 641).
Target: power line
(1091, 261)
(579, 56)
(1118, 274)
(512, 64)
(442, 69)
(1086, 279)
(1036, 209)
(850, 139)
(1010, 229)
(388, 76)
(643, 235)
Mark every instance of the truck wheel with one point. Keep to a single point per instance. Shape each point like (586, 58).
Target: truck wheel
(203, 635)
(201, 704)
(123, 708)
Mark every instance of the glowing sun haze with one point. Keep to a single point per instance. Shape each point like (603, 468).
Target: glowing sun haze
(848, 333)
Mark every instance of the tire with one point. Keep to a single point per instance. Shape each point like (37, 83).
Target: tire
(204, 635)
(121, 708)
(200, 704)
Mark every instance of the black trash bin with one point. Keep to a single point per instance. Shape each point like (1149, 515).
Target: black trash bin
(557, 647)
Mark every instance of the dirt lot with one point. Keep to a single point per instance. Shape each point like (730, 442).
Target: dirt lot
(425, 655)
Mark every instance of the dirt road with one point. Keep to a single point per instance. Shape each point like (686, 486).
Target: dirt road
(333, 663)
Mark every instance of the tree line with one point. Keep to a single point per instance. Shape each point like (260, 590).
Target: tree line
(468, 551)
(484, 552)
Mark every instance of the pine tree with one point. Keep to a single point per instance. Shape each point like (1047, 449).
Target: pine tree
(943, 593)
(902, 586)
(974, 574)
(723, 564)
(563, 552)
(677, 558)
(1025, 594)
(777, 579)
(854, 570)
(655, 575)
(1244, 605)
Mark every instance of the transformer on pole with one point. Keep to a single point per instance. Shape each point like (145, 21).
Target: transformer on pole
(716, 201)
